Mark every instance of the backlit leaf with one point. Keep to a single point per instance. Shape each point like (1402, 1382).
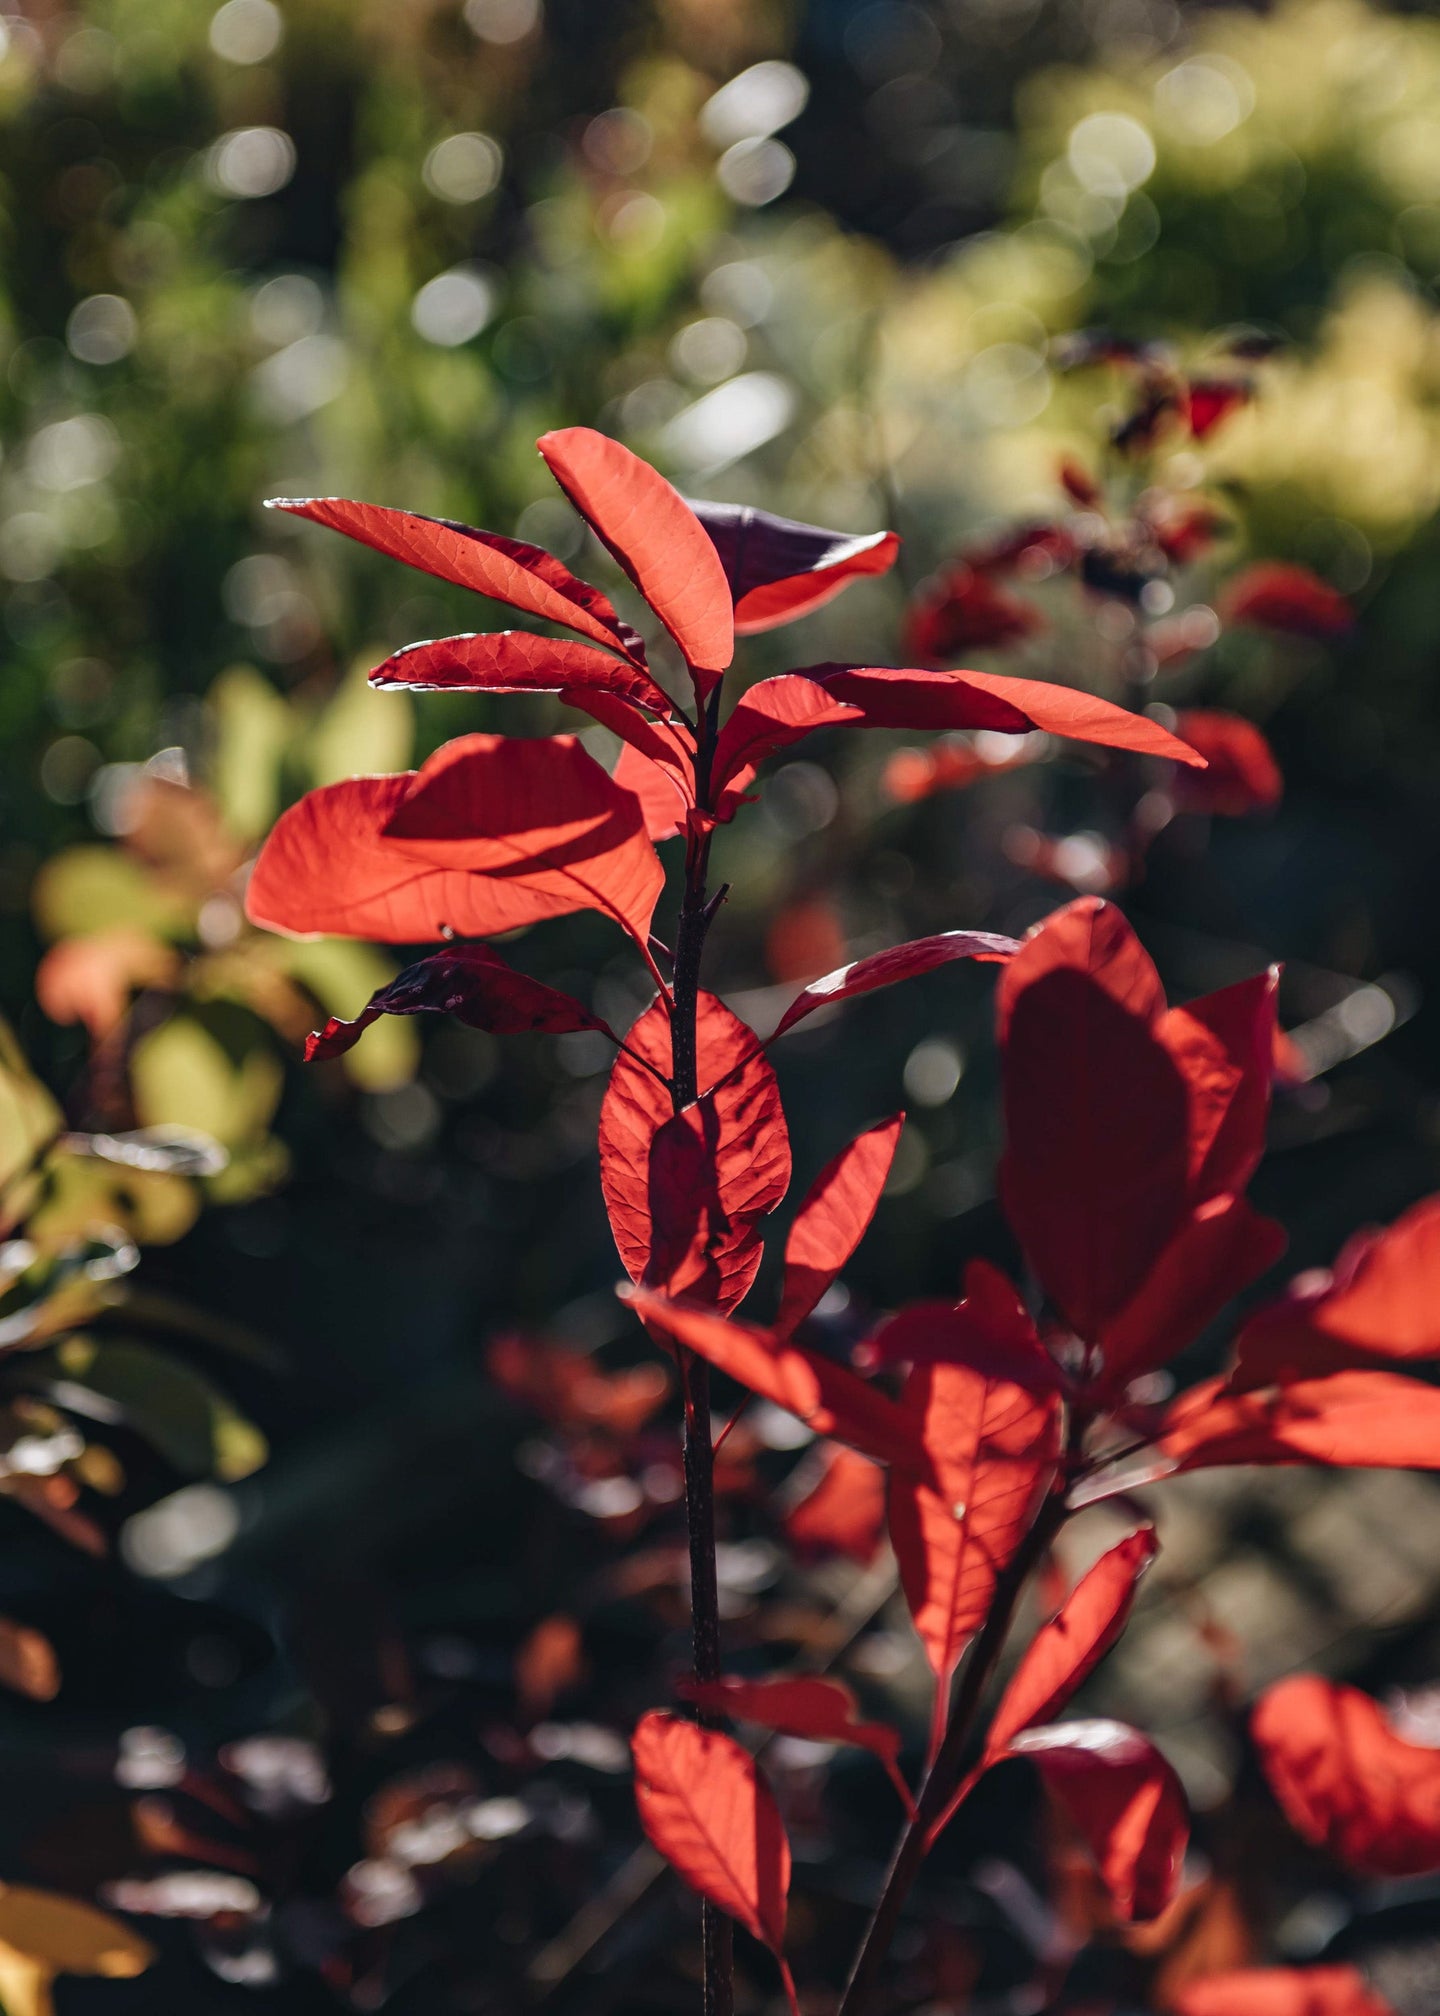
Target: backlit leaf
(779, 569)
(844, 1514)
(1376, 1420)
(832, 1220)
(1124, 1799)
(517, 661)
(897, 962)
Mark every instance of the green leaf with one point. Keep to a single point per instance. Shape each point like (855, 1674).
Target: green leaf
(186, 1418)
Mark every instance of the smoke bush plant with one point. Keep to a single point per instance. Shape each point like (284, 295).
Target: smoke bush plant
(977, 1431)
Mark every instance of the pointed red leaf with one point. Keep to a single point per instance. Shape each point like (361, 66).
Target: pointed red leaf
(1278, 596)
(1125, 1800)
(993, 1441)
(1123, 1118)
(896, 697)
(823, 1710)
(517, 661)
(1242, 774)
(1350, 1420)
(1282, 1991)
(897, 962)
(507, 570)
(832, 1220)
(779, 569)
(1347, 1780)
(707, 1809)
(844, 1514)
(991, 1326)
(826, 1397)
(489, 835)
(1382, 1302)
(774, 713)
(1065, 1652)
(471, 983)
(1213, 1258)
(664, 801)
(656, 538)
(688, 1192)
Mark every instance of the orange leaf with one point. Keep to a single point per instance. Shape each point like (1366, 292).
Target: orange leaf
(1347, 1781)
(707, 1809)
(656, 538)
(687, 1192)
(1066, 1651)
(1283, 1991)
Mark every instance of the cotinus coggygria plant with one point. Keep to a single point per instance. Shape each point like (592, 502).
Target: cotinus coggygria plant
(1132, 1131)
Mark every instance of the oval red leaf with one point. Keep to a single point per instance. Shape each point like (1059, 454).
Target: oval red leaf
(705, 1806)
(1347, 1781)
(1124, 1798)
(687, 1193)
(656, 538)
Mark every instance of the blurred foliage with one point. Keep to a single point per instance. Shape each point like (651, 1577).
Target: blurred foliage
(375, 249)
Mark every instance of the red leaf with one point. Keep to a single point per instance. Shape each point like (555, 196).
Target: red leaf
(507, 570)
(779, 569)
(1078, 484)
(1243, 775)
(687, 1192)
(1064, 1654)
(663, 799)
(891, 697)
(517, 661)
(707, 1809)
(844, 1514)
(656, 538)
(470, 982)
(991, 1326)
(1224, 1247)
(823, 1710)
(993, 1442)
(947, 765)
(1282, 1991)
(1126, 1801)
(961, 611)
(1381, 1303)
(1123, 1119)
(772, 714)
(568, 1388)
(489, 835)
(1350, 1420)
(832, 1220)
(1210, 400)
(897, 962)
(1278, 596)
(825, 1396)
(1347, 1781)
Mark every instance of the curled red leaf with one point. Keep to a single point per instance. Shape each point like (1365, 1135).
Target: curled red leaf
(779, 569)
(897, 962)
(1347, 1781)
(473, 984)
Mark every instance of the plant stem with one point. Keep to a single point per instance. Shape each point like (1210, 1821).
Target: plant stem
(944, 1775)
(716, 1930)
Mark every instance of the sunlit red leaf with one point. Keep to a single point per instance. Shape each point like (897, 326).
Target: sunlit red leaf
(1347, 1781)
(507, 570)
(1276, 595)
(687, 1192)
(772, 714)
(1123, 1117)
(664, 802)
(832, 1220)
(707, 1809)
(844, 1514)
(517, 661)
(779, 569)
(1066, 1651)
(991, 1325)
(825, 1396)
(1243, 775)
(490, 834)
(1283, 1991)
(473, 984)
(963, 610)
(1382, 1302)
(656, 538)
(1125, 1800)
(893, 697)
(897, 962)
(823, 1710)
(992, 1439)
(1350, 1420)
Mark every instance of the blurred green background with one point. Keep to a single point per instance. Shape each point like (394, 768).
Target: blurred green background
(814, 256)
